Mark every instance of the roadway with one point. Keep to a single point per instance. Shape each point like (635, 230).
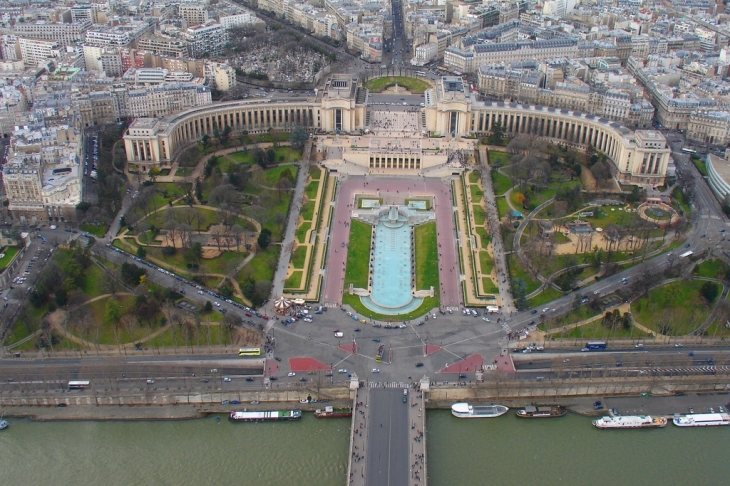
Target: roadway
(388, 449)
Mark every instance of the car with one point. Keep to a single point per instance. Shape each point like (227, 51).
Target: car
(291, 373)
(217, 304)
(546, 309)
(619, 364)
(62, 405)
(303, 380)
(534, 312)
(462, 375)
(357, 329)
(376, 340)
(419, 365)
(339, 334)
(235, 402)
(584, 350)
(680, 394)
(679, 345)
(639, 345)
(687, 245)
(277, 358)
(376, 370)
(597, 405)
(150, 382)
(227, 379)
(485, 319)
(225, 402)
(342, 370)
(691, 410)
(273, 378)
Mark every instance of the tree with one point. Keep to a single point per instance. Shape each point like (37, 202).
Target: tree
(193, 254)
(112, 312)
(141, 252)
(264, 238)
(495, 138)
(709, 291)
(153, 173)
(208, 307)
(298, 137)
(132, 274)
(601, 172)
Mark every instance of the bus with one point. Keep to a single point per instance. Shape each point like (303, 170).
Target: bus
(688, 151)
(78, 384)
(686, 254)
(596, 345)
(492, 309)
(249, 352)
(421, 73)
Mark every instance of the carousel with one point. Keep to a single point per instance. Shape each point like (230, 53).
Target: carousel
(282, 305)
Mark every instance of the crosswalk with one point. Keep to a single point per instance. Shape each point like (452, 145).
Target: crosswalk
(506, 327)
(691, 369)
(387, 384)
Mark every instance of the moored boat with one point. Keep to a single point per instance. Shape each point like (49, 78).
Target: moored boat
(264, 415)
(630, 422)
(464, 410)
(542, 412)
(702, 420)
(4, 424)
(330, 412)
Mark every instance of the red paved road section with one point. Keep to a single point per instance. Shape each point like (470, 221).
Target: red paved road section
(430, 349)
(272, 368)
(307, 364)
(349, 347)
(504, 362)
(469, 364)
(337, 256)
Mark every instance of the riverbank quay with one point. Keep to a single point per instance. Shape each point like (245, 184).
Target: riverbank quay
(670, 395)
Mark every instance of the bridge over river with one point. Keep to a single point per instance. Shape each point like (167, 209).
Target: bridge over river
(388, 436)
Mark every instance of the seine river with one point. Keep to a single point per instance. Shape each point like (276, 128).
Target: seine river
(506, 451)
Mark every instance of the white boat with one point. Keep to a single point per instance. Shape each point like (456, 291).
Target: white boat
(702, 420)
(464, 410)
(630, 422)
(3, 424)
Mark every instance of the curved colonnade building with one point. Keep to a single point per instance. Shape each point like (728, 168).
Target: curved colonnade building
(449, 112)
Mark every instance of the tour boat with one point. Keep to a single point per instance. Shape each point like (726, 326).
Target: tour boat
(4, 424)
(542, 412)
(630, 422)
(702, 420)
(330, 412)
(265, 415)
(464, 410)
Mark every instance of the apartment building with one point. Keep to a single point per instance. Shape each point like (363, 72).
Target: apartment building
(35, 51)
(220, 76)
(205, 40)
(468, 60)
(193, 13)
(64, 34)
(712, 127)
(163, 46)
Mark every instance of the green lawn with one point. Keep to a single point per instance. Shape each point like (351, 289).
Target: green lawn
(294, 281)
(548, 294)
(489, 287)
(358, 251)
(354, 302)
(486, 262)
(517, 270)
(500, 183)
(675, 309)
(580, 314)
(603, 216)
(712, 269)
(414, 85)
(482, 232)
(596, 330)
(476, 193)
(10, 252)
(301, 232)
(474, 176)
(274, 174)
(206, 335)
(680, 203)
(308, 211)
(242, 158)
(311, 190)
(315, 172)
(427, 267)
(173, 190)
(502, 207)
(298, 256)
(480, 214)
(261, 266)
(700, 166)
(184, 172)
(498, 158)
(98, 230)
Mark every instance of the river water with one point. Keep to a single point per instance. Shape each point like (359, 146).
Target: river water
(567, 451)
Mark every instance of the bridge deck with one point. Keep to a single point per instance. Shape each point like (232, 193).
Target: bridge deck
(387, 443)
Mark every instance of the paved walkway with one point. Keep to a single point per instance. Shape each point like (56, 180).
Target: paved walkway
(500, 261)
(277, 288)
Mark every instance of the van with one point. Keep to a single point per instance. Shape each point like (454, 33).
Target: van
(405, 391)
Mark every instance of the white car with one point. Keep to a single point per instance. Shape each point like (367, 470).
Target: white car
(342, 370)
(376, 370)
(639, 345)
(216, 304)
(485, 319)
(291, 373)
(226, 379)
(339, 334)
(679, 345)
